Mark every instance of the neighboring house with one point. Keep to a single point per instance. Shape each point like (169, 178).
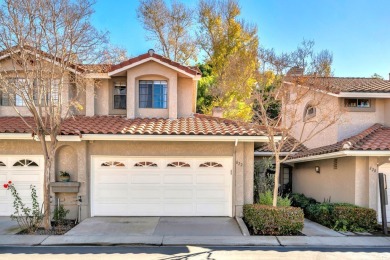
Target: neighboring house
(137, 148)
(343, 162)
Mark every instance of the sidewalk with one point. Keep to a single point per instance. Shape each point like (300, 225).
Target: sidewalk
(315, 241)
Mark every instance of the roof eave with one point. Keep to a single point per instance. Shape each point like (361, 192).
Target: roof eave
(339, 154)
(114, 72)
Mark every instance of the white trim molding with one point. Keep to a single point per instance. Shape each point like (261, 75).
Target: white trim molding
(339, 154)
(112, 73)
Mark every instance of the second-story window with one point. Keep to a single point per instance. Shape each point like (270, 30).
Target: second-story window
(120, 95)
(153, 94)
(310, 111)
(358, 102)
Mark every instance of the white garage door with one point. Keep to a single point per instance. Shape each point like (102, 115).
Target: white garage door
(23, 171)
(128, 186)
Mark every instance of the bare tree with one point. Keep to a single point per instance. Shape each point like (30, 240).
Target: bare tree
(43, 41)
(170, 28)
(293, 117)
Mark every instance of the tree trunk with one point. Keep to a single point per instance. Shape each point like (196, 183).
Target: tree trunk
(276, 186)
(48, 159)
(46, 194)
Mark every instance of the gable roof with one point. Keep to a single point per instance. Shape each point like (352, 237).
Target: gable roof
(375, 138)
(196, 125)
(190, 70)
(337, 85)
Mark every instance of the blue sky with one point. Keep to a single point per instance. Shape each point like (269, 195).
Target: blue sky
(357, 32)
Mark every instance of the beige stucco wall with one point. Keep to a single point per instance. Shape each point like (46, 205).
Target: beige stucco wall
(75, 157)
(185, 93)
(337, 184)
(102, 105)
(356, 122)
(327, 107)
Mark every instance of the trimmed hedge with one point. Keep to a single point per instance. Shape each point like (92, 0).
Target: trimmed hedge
(268, 220)
(301, 201)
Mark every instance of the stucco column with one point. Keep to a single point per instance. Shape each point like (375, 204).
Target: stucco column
(172, 97)
(239, 179)
(90, 98)
(373, 183)
(131, 85)
(248, 172)
(361, 181)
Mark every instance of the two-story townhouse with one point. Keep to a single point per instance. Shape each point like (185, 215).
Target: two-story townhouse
(343, 161)
(137, 148)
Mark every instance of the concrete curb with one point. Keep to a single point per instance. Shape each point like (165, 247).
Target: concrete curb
(242, 226)
(103, 240)
(220, 241)
(334, 241)
(26, 240)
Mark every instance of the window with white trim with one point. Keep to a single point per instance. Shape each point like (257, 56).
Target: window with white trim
(2, 164)
(153, 94)
(120, 93)
(358, 102)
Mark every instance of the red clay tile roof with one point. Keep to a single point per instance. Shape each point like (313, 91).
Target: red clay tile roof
(337, 85)
(287, 147)
(191, 70)
(197, 125)
(375, 138)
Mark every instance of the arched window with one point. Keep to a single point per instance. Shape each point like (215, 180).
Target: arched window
(113, 164)
(210, 164)
(309, 112)
(2, 164)
(26, 163)
(145, 164)
(178, 164)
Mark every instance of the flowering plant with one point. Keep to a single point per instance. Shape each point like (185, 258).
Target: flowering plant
(29, 219)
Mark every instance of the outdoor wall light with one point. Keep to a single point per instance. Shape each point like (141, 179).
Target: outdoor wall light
(317, 169)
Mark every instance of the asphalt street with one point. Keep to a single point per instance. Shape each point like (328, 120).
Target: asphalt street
(191, 252)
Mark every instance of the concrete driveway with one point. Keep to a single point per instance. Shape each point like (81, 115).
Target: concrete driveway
(157, 226)
(8, 226)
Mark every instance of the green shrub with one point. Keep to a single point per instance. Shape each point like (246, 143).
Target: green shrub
(353, 218)
(268, 220)
(343, 216)
(301, 201)
(59, 215)
(266, 198)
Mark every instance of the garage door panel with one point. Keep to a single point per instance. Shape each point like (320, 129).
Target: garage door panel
(145, 178)
(112, 177)
(145, 193)
(111, 209)
(216, 209)
(178, 179)
(178, 194)
(176, 190)
(3, 178)
(21, 177)
(211, 194)
(112, 191)
(178, 209)
(210, 179)
(144, 209)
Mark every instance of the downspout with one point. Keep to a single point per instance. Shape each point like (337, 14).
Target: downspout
(234, 176)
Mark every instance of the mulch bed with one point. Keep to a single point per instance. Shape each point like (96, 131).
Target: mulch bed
(56, 229)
